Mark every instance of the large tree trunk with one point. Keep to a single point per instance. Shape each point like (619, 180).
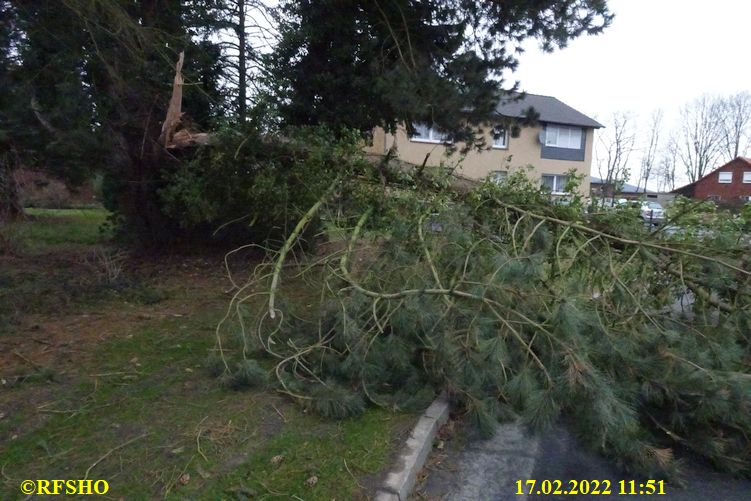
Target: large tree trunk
(10, 203)
(242, 84)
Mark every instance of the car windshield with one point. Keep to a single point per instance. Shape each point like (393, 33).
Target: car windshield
(652, 205)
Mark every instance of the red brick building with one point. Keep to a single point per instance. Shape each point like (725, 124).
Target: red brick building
(729, 184)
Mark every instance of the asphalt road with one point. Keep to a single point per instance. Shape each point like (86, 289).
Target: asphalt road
(488, 470)
(561, 457)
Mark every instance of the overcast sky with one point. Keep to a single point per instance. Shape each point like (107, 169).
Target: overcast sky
(656, 53)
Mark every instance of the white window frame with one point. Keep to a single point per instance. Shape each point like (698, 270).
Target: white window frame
(500, 142)
(747, 177)
(434, 136)
(728, 179)
(559, 183)
(563, 136)
(498, 176)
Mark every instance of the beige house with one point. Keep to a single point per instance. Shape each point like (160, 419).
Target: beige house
(562, 140)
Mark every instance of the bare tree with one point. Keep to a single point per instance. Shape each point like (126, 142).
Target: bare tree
(246, 30)
(666, 166)
(736, 124)
(700, 136)
(650, 151)
(615, 147)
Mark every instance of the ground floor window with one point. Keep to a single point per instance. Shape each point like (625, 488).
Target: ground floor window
(554, 183)
(428, 134)
(498, 176)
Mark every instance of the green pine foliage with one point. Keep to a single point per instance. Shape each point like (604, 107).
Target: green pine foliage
(254, 187)
(332, 400)
(247, 374)
(516, 308)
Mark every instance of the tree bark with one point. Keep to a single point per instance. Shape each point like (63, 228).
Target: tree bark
(242, 84)
(10, 202)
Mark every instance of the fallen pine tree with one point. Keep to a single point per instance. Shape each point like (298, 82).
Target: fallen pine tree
(516, 308)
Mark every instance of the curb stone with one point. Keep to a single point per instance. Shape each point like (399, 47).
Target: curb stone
(400, 482)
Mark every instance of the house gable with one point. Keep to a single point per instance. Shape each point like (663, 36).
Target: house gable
(729, 183)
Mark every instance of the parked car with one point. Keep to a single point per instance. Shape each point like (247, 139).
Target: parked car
(652, 212)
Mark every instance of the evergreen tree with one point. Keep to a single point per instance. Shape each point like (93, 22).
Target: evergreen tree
(9, 39)
(362, 63)
(93, 83)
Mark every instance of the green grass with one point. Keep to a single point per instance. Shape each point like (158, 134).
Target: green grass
(151, 381)
(138, 403)
(328, 454)
(59, 264)
(49, 229)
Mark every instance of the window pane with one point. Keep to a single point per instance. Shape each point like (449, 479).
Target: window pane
(575, 138)
(560, 183)
(437, 135)
(551, 135)
(499, 137)
(498, 176)
(747, 177)
(422, 131)
(726, 177)
(429, 133)
(563, 135)
(548, 182)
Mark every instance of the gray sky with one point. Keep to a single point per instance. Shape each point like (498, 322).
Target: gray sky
(656, 53)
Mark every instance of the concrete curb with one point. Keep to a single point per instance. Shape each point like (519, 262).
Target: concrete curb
(400, 482)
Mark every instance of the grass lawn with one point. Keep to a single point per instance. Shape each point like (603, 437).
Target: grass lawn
(104, 377)
(47, 230)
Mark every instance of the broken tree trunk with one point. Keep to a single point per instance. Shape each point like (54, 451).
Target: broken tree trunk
(171, 137)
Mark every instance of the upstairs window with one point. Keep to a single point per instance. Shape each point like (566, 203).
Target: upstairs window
(747, 177)
(554, 183)
(500, 138)
(429, 134)
(725, 177)
(559, 136)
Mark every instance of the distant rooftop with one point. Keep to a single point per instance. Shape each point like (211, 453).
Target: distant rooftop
(549, 108)
(741, 159)
(627, 188)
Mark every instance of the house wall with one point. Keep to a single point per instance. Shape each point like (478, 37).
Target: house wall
(710, 186)
(378, 143)
(520, 152)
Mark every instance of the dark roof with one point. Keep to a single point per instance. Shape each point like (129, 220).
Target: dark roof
(627, 188)
(690, 185)
(549, 108)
